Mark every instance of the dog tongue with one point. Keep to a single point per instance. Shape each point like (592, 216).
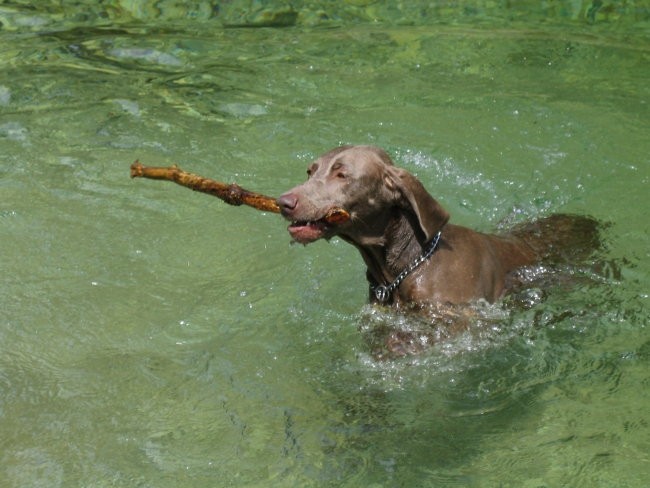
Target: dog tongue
(306, 233)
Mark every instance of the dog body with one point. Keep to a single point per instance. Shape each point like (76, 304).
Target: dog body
(394, 221)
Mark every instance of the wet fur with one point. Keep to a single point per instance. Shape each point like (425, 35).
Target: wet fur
(393, 218)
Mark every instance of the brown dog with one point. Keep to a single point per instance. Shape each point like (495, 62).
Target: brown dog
(413, 255)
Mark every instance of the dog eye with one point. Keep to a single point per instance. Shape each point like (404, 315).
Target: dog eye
(338, 170)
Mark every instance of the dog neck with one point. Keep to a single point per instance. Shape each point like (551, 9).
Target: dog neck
(400, 244)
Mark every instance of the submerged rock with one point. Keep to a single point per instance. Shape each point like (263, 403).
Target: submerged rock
(268, 16)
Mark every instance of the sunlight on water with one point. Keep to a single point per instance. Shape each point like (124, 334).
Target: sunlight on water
(153, 336)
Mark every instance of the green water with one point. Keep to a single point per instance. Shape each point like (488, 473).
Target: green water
(155, 337)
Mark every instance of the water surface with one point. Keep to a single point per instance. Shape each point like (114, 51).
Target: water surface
(152, 336)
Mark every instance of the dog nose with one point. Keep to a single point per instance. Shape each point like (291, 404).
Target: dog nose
(287, 203)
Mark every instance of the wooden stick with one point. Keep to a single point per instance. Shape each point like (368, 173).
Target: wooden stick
(231, 194)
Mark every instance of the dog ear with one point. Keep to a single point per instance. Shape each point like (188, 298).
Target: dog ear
(428, 211)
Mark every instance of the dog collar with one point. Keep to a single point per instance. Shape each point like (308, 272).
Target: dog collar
(383, 292)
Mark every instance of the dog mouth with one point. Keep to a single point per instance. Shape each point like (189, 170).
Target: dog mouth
(306, 231)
